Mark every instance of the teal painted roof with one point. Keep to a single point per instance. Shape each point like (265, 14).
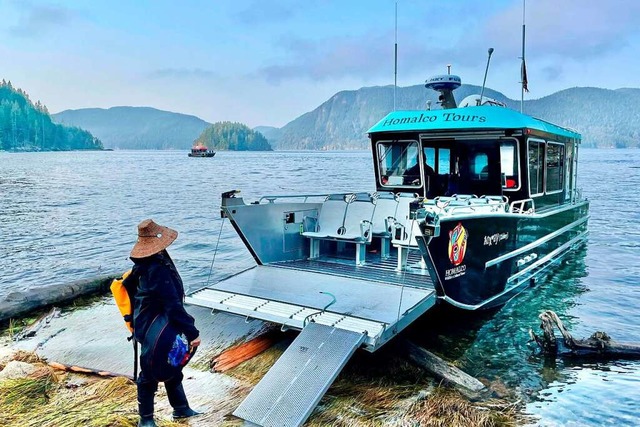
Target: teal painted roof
(467, 118)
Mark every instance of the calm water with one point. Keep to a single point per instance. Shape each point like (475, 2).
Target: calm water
(68, 216)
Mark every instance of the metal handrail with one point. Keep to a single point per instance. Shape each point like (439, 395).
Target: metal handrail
(518, 207)
(451, 204)
(273, 198)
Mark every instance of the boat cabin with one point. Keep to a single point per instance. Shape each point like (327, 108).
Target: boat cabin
(201, 151)
(481, 150)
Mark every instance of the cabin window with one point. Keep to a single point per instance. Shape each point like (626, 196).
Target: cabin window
(567, 170)
(398, 164)
(444, 161)
(509, 165)
(536, 159)
(554, 167)
(479, 167)
(430, 158)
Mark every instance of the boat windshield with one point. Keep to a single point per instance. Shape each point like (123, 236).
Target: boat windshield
(443, 167)
(398, 163)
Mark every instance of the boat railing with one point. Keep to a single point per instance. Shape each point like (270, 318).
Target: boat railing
(468, 203)
(577, 194)
(524, 207)
(304, 197)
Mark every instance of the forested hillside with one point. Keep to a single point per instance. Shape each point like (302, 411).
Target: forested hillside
(136, 127)
(233, 136)
(25, 126)
(605, 118)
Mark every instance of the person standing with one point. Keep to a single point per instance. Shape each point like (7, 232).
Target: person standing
(159, 317)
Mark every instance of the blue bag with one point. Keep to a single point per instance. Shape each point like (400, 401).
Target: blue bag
(179, 350)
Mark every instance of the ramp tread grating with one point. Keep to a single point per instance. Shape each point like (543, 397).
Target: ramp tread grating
(292, 388)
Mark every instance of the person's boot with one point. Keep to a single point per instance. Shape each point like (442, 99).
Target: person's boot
(185, 412)
(178, 400)
(147, 422)
(146, 394)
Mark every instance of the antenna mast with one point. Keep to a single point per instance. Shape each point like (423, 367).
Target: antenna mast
(523, 70)
(395, 79)
(484, 82)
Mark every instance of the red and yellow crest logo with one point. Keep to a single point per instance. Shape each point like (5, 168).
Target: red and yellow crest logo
(457, 244)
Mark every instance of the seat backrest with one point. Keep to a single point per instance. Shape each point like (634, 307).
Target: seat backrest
(408, 227)
(361, 207)
(386, 206)
(402, 212)
(332, 213)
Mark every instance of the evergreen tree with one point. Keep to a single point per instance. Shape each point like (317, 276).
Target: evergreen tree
(233, 136)
(25, 126)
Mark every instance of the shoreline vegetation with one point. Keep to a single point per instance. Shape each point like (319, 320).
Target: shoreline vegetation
(384, 389)
(27, 126)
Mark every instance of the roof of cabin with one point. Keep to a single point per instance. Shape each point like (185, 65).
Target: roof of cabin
(467, 118)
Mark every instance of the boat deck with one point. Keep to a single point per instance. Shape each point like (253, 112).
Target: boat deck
(374, 270)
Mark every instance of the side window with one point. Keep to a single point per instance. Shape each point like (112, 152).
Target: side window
(536, 152)
(568, 170)
(509, 165)
(430, 158)
(444, 161)
(554, 167)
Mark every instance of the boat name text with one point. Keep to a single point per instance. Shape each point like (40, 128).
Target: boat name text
(494, 239)
(426, 118)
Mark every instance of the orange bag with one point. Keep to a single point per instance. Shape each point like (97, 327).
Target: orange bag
(124, 299)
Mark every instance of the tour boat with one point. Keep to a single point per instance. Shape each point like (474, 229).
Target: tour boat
(471, 205)
(201, 151)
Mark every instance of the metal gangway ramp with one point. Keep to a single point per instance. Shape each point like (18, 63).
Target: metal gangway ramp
(294, 385)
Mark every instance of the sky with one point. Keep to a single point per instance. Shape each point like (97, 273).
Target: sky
(266, 62)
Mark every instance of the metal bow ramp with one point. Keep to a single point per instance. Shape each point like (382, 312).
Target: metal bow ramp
(292, 388)
(336, 313)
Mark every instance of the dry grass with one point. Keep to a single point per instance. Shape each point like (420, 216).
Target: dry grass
(27, 357)
(385, 390)
(375, 405)
(373, 390)
(45, 400)
(448, 408)
(18, 396)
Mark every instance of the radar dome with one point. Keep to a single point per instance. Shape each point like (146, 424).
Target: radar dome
(443, 82)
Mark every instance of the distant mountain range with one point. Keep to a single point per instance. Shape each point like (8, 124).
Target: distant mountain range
(605, 118)
(136, 127)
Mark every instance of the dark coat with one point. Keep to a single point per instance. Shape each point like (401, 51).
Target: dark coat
(160, 291)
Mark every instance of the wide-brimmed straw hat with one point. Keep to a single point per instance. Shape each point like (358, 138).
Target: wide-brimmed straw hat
(152, 238)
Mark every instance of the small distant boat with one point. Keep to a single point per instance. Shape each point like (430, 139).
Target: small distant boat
(201, 151)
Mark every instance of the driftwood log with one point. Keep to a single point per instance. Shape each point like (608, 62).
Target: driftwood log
(598, 345)
(235, 355)
(83, 370)
(21, 302)
(440, 368)
(42, 321)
